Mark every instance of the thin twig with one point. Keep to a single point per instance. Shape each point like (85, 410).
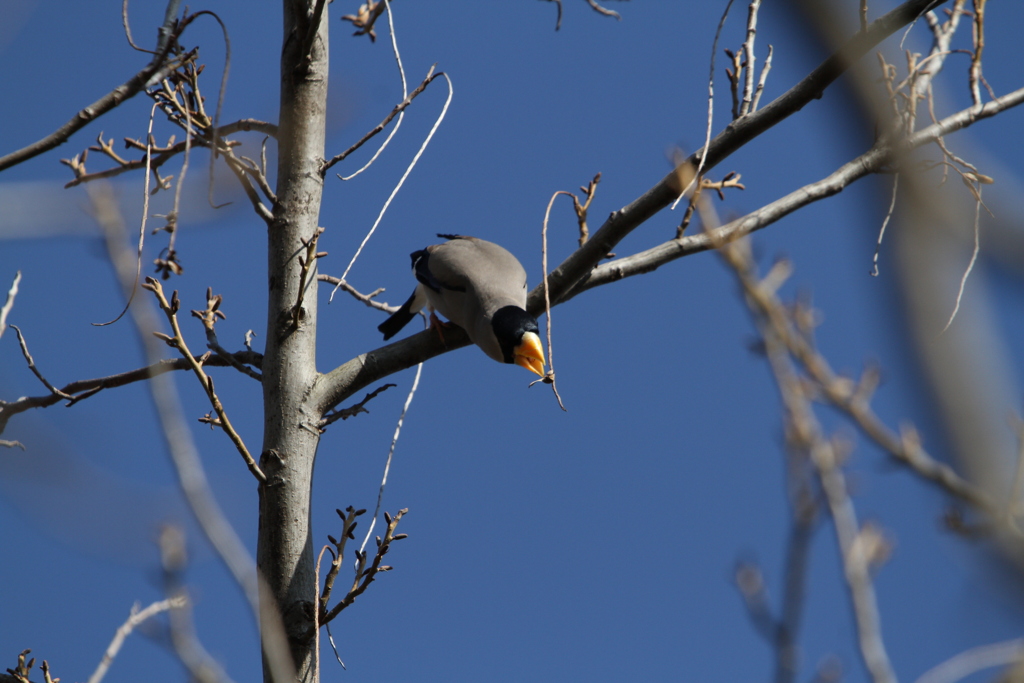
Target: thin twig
(391, 453)
(128, 28)
(885, 222)
(83, 389)
(711, 106)
(963, 664)
(974, 259)
(173, 150)
(364, 575)
(123, 92)
(761, 81)
(401, 181)
(603, 10)
(367, 299)
(172, 223)
(220, 100)
(170, 309)
(352, 411)
(348, 526)
(978, 34)
(136, 618)
(405, 97)
(142, 227)
(35, 371)
(748, 48)
(558, 21)
(209, 318)
(399, 108)
(549, 377)
(306, 265)
(9, 303)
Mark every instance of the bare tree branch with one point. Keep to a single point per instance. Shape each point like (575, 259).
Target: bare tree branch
(399, 108)
(171, 32)
(136, 618)
(170, 309)
(166, 155)
(85, 388)
(736, 134)
(367, 299)
(804, 435)
(871, 161)
(185, 456)
(342, 382)
(35, 371)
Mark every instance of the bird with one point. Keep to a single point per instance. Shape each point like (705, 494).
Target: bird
(480, 287)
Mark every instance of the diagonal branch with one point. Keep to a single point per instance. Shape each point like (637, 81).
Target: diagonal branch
(399, 108)
(85, 388)
(736, 134)
(342, 382)
(872, 161)
(170, 32)
(367, 299)
(35, 371)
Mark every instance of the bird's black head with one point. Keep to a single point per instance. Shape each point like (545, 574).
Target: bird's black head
(510, 323)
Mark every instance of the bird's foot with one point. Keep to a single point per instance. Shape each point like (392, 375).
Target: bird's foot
(438, 326)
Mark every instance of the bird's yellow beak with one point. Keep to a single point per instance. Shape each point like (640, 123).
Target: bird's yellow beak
(529, 354)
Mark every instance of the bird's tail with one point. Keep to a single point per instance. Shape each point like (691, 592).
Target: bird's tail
(400, 318)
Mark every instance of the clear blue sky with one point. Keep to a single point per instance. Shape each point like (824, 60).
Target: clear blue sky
(596, 544)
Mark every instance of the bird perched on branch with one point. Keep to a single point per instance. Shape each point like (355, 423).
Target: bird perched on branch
(480, 287)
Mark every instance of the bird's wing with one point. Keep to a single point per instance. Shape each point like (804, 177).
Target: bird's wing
(423, 267)
(487, 272)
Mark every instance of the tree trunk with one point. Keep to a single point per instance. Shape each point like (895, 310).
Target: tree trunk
(290, 436)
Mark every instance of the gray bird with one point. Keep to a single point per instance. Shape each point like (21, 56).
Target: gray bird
(480, 287)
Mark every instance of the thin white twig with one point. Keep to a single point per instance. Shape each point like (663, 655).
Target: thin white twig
(405, 94)
(748, 45)
(974, 258)
(401, 182)
(856, 567)
(9, 303)
(547, 297)
(391, 452)
(134, 619)
(888, 215)
(913, 24)
(964, 664)
(316, 615)
(761, 81)
(334, 646)
(145, 216)
(711, 108)
(184, 170)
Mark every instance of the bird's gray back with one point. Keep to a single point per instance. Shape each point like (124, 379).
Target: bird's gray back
(494, 274)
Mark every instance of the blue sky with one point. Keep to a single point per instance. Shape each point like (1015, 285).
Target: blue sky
(596, 544)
